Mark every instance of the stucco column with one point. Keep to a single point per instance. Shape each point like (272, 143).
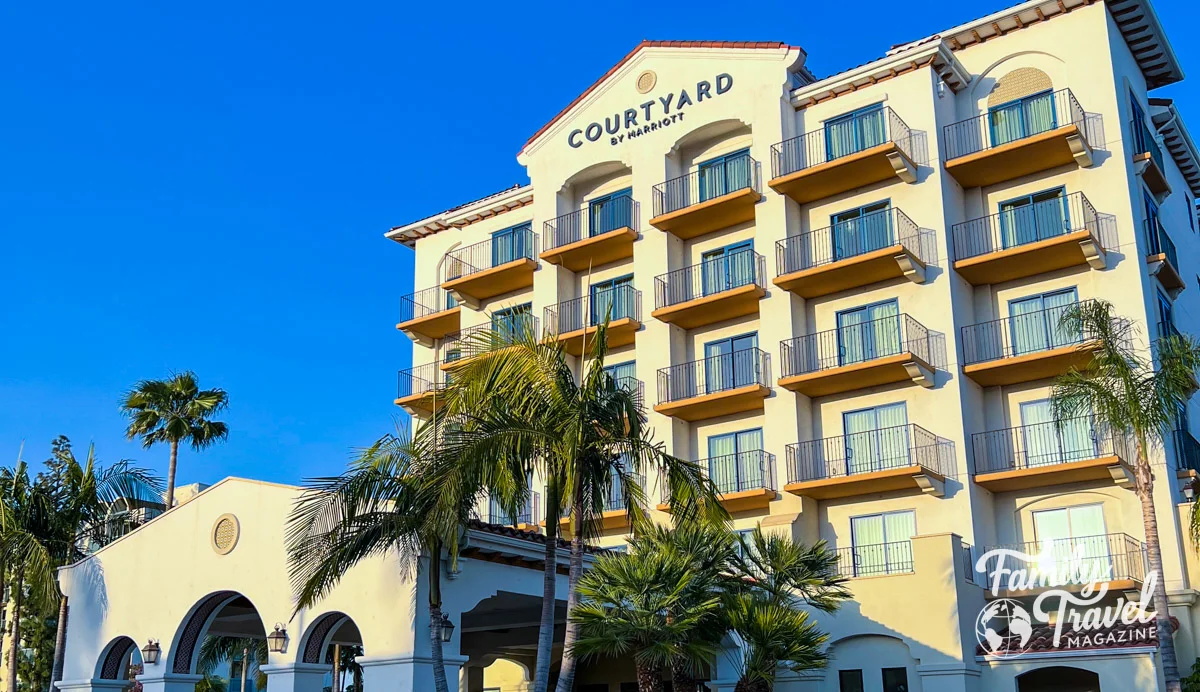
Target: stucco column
(95, 685)
(408, 673)
(169, 682)
(296, 677)
(950, 678)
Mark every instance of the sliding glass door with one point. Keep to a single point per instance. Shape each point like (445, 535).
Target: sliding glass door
(876, 438)
(869, 332)
(1036, 322)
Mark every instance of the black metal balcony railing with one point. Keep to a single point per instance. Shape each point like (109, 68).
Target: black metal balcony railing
(1187, 450)
(858, 343)
(869, 451)
(1019, 120)
(1080, 559)
(734, 473)
(1024, 225)
(714, 374)
(875, 560)
(428, 301)
(1159, 243)
(622, 302)
(844, 137)
(710, 182)
(871, 232)
(615, 501)
(500, 249)
(617, 212)
(634, 386)
(1046, 444)
(472, 340)
(740, 268)
(1030, 332)
(531, 514)
(421, 379)
(1144, 142)
(968, 562)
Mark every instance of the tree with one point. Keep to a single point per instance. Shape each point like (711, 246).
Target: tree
(175, 410)
(514, 406)
(232, 650)
(1123, 392)
(385, 503)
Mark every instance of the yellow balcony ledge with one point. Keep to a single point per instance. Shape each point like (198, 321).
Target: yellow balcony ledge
(1166, 273)
(900, 367)
(621, 332)
(710, 309)
(1107, 468)
(874, 482)
(1029, 367)
(723, 403)
(1040, 152)
(1078, 248)
(419, 404)
(424, 330)
(608, 520)
(710, 215)
(473, 289)
(740, 501)
(596, 251)
(867, 167)
(854, 272)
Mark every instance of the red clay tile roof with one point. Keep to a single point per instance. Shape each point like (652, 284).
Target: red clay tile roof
(652, 44)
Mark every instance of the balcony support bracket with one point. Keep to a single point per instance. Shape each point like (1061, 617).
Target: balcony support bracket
(464, 299)
(930, 485)
(913, 270)
(1145, 169)
(1093, 253)
(905, 170)
(1122, 476)
(919, 373)
(418, 338)
(1157, 265)
(1080, 150)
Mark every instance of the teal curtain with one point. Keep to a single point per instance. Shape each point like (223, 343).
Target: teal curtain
(1031, 218)
(859, 231)
(722, 462)
(724, 174)
(876, 438)
(750, 459)
(1028, 322)
(610, 212)
(615, 295)
(731, 363)
(1048, 443)
(893, 436)
(881, 542)
(869, 332)
(855, 132)
(1056, 306)
(624, 374)
(738, 175)
(1039, 113)
(509, 245)
(1071, 533)
(851, 343)
(1022, 118)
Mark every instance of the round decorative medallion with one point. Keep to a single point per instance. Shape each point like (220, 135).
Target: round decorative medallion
(646, 81)
(225, 534)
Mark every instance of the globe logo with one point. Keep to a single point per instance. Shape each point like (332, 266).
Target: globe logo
(1004, 628)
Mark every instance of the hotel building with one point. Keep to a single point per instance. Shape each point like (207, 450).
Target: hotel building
(840, 296)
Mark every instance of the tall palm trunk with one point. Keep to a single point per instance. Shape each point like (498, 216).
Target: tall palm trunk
(649, 678)
(545, 645)
(681, 676)
(566, 673)
(745, 685)
(1162, 614)
(14, 644)
(60, 641)
(170, 496)
(435, 618)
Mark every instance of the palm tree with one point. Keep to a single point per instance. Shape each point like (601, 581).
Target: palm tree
(515, 405)
(175, 410)
(250, 653)
(385, 503)
(1122, 391)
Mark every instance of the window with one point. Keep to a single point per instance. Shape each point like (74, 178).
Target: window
(1049, 442)
(1138, 124)
(862, 230)
(727, 268)
(1035, 322)
(725, 174)
(1153, 229)
(1030, 218)
(735, 461)
(1191, 211)
(613, 298)
(510, 322)
(731, 363)
(895, 680)
(623, 374)
(512, 244)
(1166, 314)
(868, 332)
(1074, 532)
(882, 542)
(1021, 118)
(610, 212)
(876, 438)
(854, 132)
(850, 681)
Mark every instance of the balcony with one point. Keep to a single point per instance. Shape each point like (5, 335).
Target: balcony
(1032, 135)
(713, 291)
(877, 247)
(865, 149)
(615, 512)
(1054, 453)
(1070, 563)
(744, 481)
(592, 237)
(1186, 454)
(501, 264)
(900, 458)
(720, 385)
(417, 389)
(1162, 258)
(527, 520)
(575, 322)
(709, 199)
(428, 314)
(1027, 347)
(869, 354)
(1148, 160)
(876, 560)
(460, 347)
(1030, 240)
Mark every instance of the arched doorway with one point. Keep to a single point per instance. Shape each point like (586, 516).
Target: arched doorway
(224, 640)
(120, 660)
(334, 639)
(1059, 679)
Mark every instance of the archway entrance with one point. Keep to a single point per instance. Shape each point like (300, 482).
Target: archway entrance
(334, 639)
(120, 660)
(1059, 679)
(224, 641)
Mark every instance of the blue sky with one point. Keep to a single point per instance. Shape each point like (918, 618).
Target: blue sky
(206, 186)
